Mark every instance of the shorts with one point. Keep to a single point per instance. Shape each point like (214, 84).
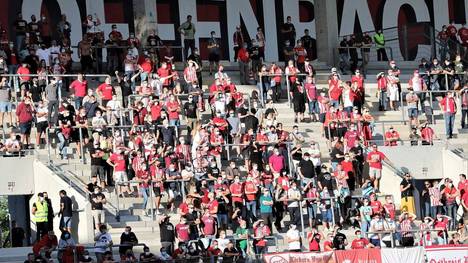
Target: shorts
(25, 128)
(98, 216)
(313, 107)
(67, 222)
(98, 170)
(412, 112)
(5, 106)
(213, 57)
(157, 191)
(42, 126)
(375, 173)
(120, 177)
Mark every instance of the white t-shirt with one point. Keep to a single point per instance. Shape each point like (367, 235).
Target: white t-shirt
(293, 234)
(54, 52)
(315, 161)
(43, 54)
(103, 240)
(42, 110)
(222, 243)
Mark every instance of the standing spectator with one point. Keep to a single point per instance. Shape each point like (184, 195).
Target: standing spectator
(353, 52)
(24, 118)
(288, 31)
(65, 211)
(78, 90)
(435, 197)
(300, 54)
(276, 80)
(375, 159)
(105, 91)
(288, 52)
(20, 30)
(238, 39)
(127, 240)
(307, 42)
(365, 51)
(5, 102)
(379, 40)
(97, 207)
(103, 243)
(293, 238)
(187, 29)
(52, 98)
(406, 225)
(213, 52)
(464, 107)
(343, 52)
(382, 91)
(40, 210)
(260, 38)
(85, 54)
(407, 197)
(412, 101)
(450, 194)
(449, 107)
(294, 201)
(167, 234)
(244, 60)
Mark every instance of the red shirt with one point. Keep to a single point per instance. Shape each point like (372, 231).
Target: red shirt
(391, 135)
(463, 186)
(164, 72)
(106, 90)
(448, 105)
(334, 90)
(359, 80)
(25, 71)
(209, 222)
(24, 112)
(45, 242)
(427, 134)
(391, 210)
(465, 198)
(377, 158)
(250, 187)
(301, 54)
(173, 110)
(347, 166)
(359, 243)
(311, 91)
(236, 189)
(156, 111)
(351, 137)
(182, 231)
(119, 160)
(382, 84)
(451, 30)
(221, 123)
(313, 245)
(147, 67)
(376, 206)
(79, 88)
(327, 244)
(243, 55)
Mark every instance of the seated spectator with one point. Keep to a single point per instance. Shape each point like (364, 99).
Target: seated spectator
(392, 137)
(46, 245)
(360, 242)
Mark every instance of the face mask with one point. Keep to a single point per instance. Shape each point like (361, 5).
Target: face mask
(213, 165)
(86, 257)
(96, 192)
(41, 199)
(127, 232)
(147, 253)
(306, 158)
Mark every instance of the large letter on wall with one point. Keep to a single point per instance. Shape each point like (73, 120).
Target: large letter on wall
(390, 19)
(351, 9)
(271, 37)
(203, 29)
(236, 9)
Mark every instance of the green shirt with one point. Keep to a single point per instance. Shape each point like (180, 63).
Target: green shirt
(240, 232)
(379, 40)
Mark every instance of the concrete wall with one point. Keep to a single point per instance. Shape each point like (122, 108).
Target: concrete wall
(391, 183)
(17, 176)
(414, 159)
(47, 181)
(454, 165)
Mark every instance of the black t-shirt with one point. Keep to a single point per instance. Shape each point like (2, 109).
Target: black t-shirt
(358, 154)
(409, 191)
(125, 240)
(166, 232)
(230, 259)
(214, 171)
(254, 53)
(307, 42)
(154, 41)
(91, 187)
(242, 112)
(307, 168)
(222, 206)
(67, 206)
(339, 241)
(20, 27)
(291, 34)
(251, 122)
(36, 92)
(190, 109)
(95, 160)
(326, 180)
(95, 205)
(126, 88)
(333, 155)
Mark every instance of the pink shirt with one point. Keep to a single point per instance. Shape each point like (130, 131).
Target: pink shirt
(276, 162)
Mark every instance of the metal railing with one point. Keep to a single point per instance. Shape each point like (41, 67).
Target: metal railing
(420, 238)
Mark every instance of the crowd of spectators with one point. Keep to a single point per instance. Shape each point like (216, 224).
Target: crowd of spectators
(218, 157)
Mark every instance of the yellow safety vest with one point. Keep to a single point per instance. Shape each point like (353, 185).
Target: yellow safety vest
(379, 40)
(41, 212)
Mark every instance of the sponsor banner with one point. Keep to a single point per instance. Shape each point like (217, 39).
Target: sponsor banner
(445, 254)
(359, 256)
(309, 257)
(410, 255)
